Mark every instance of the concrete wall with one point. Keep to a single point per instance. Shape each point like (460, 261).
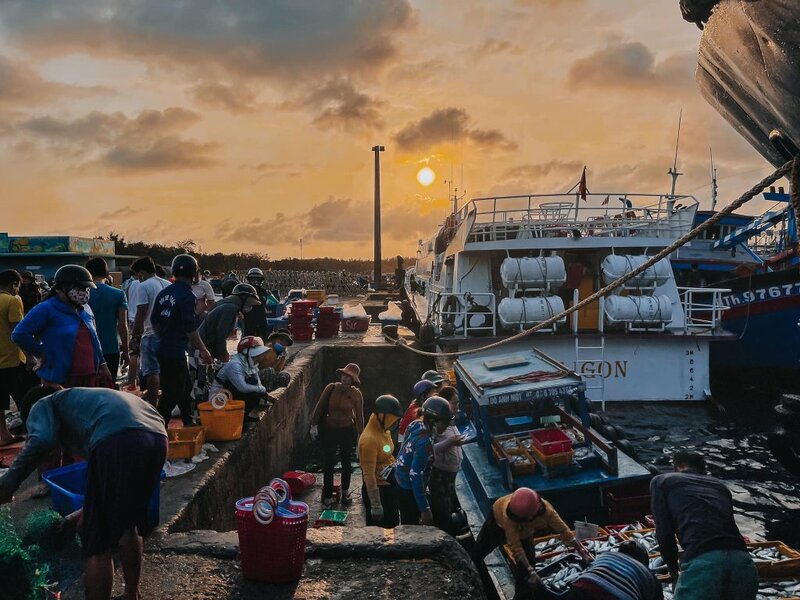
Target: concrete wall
(273, 445)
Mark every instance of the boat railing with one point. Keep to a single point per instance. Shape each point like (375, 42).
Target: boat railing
(702, 308)
(454, 309)
(563, 215)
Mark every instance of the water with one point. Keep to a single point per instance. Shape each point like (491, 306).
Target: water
(766, 496)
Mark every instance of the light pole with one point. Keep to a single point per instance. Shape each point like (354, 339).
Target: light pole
(377, 277)
(301, 248)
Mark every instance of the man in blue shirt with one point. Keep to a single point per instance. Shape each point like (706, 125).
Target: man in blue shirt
(110, 310)
(175, 323)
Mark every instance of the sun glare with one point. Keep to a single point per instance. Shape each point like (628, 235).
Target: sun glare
(426, 176)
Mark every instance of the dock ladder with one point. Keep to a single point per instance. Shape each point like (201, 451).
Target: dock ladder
(592, 354)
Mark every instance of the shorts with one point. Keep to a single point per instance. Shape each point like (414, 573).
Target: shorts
(124, 471)
(148, 359)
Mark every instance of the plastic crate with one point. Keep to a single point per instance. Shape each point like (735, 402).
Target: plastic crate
(185, 442)
(551, 441)
(331, 518)
(302, 307)
(68, 491)
(355, 324)
(551, 461)
(223, 425)
(628, 503)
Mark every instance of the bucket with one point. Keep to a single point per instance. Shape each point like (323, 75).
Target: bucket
(299, 481)
(273, 553)
(223, 425)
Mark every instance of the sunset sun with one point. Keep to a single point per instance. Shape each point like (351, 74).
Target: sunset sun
(426, 176)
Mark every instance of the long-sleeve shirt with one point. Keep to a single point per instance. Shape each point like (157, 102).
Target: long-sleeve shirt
(622, 577)
(78, 419)
(235, 373)
(375, 449)
(447, 454)
(516, 532)
(341, 406)
(699, 509)
(408, 417)
(414, 461)
(218, 325)
(50, 330)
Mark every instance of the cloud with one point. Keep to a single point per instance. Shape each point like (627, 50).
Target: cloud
(339, 105)
(234, 98)
(268, 170)
(147, 142)
(120, 213)
(493, 46)
(289, 38)
(339, 220)
(448, 125)
(631, 65)
(21, 85)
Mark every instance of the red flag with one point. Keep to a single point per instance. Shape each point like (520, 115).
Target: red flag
(582, 189)
(606, 200)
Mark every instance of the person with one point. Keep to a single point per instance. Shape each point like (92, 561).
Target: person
(143, 339)
(228, 283)
(447, 457)
(110, 308)
(255, 322)
(175, 325)
(272, 363)
(421, 391)
(29, 291)
(61, 334)
(375, 455)
(125, 443)
(240, 374)
(12, 360)
(220, 323)
(515, 520)
(413, 463)
(337, 420)
(204, 293)
(699, 509)
(133, 357)
(435, 377)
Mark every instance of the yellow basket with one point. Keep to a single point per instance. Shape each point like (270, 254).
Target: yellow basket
(185, 442)
(223, 425)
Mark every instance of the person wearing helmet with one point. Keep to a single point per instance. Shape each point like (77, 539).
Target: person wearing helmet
(255, 322)
(240, 374)
(422, 390)
(29, 291)
(375, 454)
(516, 519)
(273, 361)
(228, 283)
(61, 334)
(414, 460)
(435, 377)
(175, 324)
(338, 420)
(447, 457)
(219, 324)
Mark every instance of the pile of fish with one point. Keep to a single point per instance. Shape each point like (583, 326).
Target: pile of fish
(516, 459)
(648, 540)
(601, 545)
(631, 527)
(769, 554)
(564, 574)
(509, 444)
(554, 544)
(658, 566)
(767, 590)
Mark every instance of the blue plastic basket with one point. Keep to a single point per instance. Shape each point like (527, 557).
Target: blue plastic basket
(68, 490)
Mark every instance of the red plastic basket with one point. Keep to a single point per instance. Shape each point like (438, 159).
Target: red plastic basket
(299, 481)
(303, 307)
(551, 441)
(273, 553)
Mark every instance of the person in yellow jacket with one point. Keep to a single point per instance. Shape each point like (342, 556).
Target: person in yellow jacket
(375, 450)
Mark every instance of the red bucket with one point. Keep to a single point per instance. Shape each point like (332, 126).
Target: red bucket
(273, 553)
(299, 481)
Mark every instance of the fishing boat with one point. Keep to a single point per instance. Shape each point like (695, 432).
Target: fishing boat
(500, 265)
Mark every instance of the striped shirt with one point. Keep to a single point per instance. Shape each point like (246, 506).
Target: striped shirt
(622, 577)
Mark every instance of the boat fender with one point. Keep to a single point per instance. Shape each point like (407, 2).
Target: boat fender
(620, 432)
(791, 401)
(451, 307)
(786, 449)
(788, 417)
(609, 432)
(427, 334)
(472, 320)
(626, 447)
(596, 421)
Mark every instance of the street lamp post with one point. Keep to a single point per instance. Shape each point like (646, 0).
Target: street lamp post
(377, 277)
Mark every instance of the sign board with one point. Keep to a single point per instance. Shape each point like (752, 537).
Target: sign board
(46, 244)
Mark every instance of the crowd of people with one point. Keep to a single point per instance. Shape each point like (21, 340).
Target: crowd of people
(282, 282)
(65, 354)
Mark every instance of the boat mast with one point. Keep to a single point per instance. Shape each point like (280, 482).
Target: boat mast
(673, 172)
(713, 182)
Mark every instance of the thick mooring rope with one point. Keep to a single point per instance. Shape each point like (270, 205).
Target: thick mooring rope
(793, 166)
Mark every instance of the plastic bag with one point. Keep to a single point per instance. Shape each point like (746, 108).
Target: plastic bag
(353, 311)
(393, 313)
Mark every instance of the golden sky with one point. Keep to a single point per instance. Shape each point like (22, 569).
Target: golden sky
(246, 125)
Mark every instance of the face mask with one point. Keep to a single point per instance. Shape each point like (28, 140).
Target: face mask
(278, 348)
(79, 296)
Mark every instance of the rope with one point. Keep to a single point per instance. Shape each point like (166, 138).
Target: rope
(792, 166)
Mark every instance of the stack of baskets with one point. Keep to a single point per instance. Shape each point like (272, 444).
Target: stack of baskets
(328, 322)
(300, 320)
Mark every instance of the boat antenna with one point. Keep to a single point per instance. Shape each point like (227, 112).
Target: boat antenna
(713, 182)
(673, 172)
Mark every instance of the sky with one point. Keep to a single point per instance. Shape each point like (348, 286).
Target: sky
(248, 125)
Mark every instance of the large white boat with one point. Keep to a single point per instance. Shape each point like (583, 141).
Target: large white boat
(500, 265)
